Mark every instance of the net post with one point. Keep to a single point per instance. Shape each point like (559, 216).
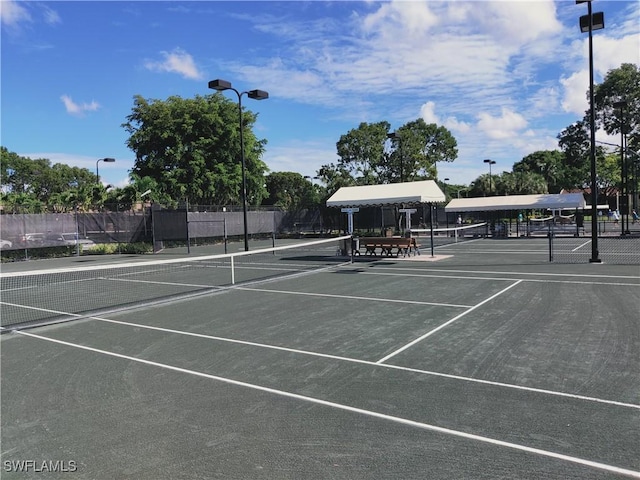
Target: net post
(551, 232)
(431, 229)
(224, 233)
(75, 218)
(186, 216)
(233, 272)
(352, 247)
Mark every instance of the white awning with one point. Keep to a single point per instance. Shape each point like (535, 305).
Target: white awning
(517, 202)
(408, 193)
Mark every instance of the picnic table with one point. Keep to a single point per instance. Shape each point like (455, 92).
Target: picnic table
(386, 246)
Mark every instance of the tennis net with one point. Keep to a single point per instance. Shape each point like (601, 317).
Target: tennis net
(447, 236)
(48, 296)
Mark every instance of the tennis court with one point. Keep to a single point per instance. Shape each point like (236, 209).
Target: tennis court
(485, 361)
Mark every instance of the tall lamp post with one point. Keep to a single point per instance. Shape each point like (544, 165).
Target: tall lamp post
(107, 160)
(624, 174)
(589, 23)
(221, 85)
(490, 162)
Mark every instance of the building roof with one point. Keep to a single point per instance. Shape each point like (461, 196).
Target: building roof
(408, 193)
(517, 202)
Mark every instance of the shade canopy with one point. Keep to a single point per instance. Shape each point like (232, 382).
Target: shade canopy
(407, 193)
(517, 202)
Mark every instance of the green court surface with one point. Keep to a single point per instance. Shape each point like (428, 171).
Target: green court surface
(485, 361)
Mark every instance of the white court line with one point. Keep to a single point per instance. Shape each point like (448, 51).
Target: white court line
(338, 357)
(580, 246)
(419, 339)
(361, 411)
(354, 297)
(508, 279)
(334, 357)
(491, 272)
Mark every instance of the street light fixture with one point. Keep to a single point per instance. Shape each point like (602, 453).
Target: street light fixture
(490, 162)
(107, 160)
(589, 23)
(624, 178)
(222, 85)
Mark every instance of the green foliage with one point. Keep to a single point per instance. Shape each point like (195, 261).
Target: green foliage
(548, 164)
(370, 154)
(362, 153)
(622, 83)
(292, 191)
(190, 148)
(113, 248)
(419, 146)
(28, 185)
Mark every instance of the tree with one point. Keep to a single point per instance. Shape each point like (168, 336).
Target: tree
(36, 182)
(416, 147)
(520, 183)
(622, 83)
(291, 191)
(191, 148)
(362, 152)
(546, 163)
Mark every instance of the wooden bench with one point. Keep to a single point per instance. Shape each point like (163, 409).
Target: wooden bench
(386, 245)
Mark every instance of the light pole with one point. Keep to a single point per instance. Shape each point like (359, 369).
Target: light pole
(589, 23)
(107, 160)
(490, 162)
(221, 85)
(395, 136)
(624, 178)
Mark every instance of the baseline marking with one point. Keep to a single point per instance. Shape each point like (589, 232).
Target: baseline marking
(419, 339)
(361, 411)
(344, 359)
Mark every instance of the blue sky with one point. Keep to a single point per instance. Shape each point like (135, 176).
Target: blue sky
(504, 77)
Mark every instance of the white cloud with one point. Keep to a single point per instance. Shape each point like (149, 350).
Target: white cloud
(78, 109)
(415, 18)
(575, 91)
(176, 61)
(13, 13)
(515, 22)
(305, 158)
(613, 52)
(51, 17)
(505, 126)
(428, 114)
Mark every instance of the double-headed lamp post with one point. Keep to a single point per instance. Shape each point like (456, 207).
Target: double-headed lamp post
(221, 85)
(589, 23)
(490, 162)
(107, 160)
